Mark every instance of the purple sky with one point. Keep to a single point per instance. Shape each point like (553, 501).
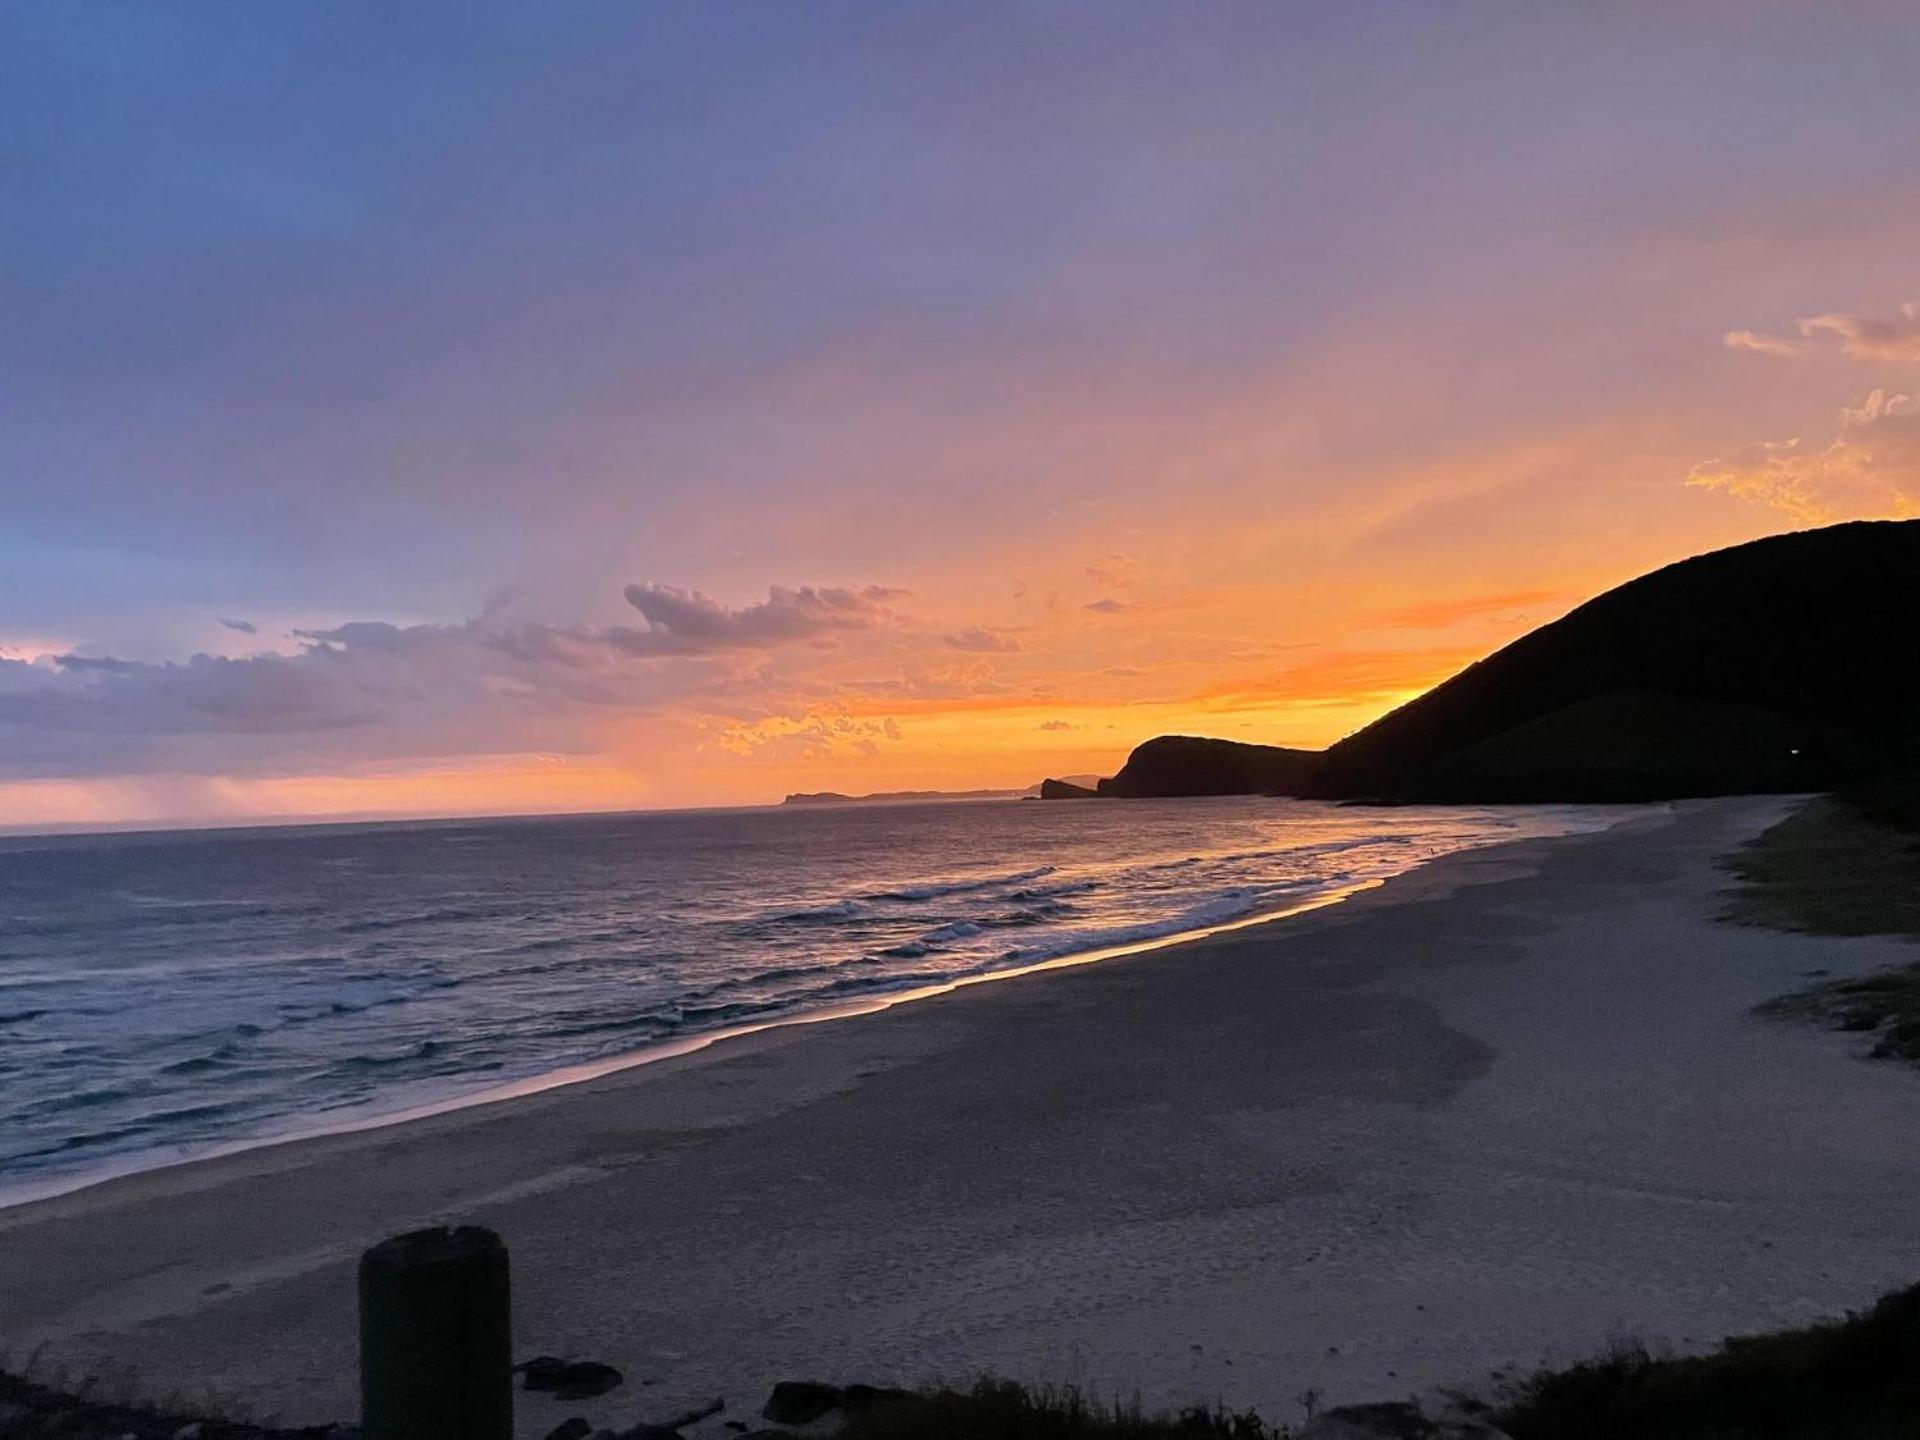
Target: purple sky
(968, 390)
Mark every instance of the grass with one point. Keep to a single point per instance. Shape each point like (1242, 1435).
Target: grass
(1834, 867)
(1851, 1379)
(38, 1399)
(1856, 1379)
(1885, 1004)
(1004, 1410)
(1845, 865)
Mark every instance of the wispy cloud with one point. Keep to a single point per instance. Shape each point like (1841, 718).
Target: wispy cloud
(686, 622)
(1760, 344)
(1870, 469)
(981, 640)
(1894, 338)
(1114, 571)
(1439, 614)
(375, 691)
(1884, 339)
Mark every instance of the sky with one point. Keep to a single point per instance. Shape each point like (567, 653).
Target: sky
(484, 408)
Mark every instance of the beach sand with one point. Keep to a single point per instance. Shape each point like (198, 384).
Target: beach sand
(1498, 1111)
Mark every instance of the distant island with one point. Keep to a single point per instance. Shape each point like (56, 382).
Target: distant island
(1783, 665)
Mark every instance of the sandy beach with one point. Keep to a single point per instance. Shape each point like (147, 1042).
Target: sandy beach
(1498, 1111)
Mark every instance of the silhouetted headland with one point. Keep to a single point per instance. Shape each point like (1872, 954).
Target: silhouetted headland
(1189, 765)
(1779, 666)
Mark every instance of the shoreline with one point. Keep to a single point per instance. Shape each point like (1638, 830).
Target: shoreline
(1437, 1128)
(370, 1117)
(664, 1050)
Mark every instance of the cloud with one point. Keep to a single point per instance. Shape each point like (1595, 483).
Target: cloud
(1108, 606)
(1894, 338)
(1439, 614)
(981, 640)
(816, 735)
(1115, 571)
(245, 627)
(1871, 468)
(375, 692)
(92, 715)
(1057, 725)
(1890, 339)
(1760, 344)
(686, 622)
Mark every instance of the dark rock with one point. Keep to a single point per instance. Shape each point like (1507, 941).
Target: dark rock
(696, 1415)
(1065, 790)
(575, 1428)
(736, 1425)
(585, 1379)
(797, 1402)
(568, 1379)
(855, 1399)
(542, 1372)
(647, 1432)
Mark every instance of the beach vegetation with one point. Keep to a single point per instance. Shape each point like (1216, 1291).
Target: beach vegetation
(1847, 864)
(994, 1409)
(1852, 1379)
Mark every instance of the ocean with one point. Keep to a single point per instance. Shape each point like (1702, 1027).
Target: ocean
(169, 994)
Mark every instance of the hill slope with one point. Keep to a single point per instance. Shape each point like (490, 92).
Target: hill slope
(1786, 664)
(1790, 663)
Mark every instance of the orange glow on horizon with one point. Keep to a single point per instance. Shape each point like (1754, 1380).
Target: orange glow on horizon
(952, 743)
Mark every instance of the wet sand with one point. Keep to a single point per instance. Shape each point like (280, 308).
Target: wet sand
(1498, 1111)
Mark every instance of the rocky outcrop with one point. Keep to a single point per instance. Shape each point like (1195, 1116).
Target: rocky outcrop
(1065, 790)
(1189, 765)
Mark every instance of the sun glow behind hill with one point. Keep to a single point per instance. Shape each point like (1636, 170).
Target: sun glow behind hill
(857, 742)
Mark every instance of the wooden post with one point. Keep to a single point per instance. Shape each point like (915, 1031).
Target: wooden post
(436, 1344)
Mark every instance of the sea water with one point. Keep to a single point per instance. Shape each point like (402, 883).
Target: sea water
(162, 994)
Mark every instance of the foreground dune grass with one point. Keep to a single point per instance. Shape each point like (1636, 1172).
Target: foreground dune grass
(1854, 1379)
(1857, 1379)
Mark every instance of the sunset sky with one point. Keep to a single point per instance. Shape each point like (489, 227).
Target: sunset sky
(484, 408)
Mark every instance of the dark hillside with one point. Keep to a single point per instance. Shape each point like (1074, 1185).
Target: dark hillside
(1791, 663)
